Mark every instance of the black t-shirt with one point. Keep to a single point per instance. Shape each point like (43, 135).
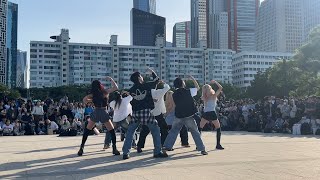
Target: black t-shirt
(185, 105)
(141, 93)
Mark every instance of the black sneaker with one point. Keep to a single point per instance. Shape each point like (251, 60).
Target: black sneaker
(185, 145)
(80, 152)
(115, 151)
(125, 156)
(204, 153)
(219, 147)
(161, 155)
(139, 150)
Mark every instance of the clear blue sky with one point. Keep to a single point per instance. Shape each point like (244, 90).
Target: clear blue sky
(91, 21)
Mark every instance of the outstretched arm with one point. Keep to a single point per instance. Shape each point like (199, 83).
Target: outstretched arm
(114, 85)
(196, 85)
(87, 99)
(219, 86)
(155, 77)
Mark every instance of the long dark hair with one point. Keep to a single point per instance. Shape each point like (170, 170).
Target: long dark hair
(118, 99)
(98, 92)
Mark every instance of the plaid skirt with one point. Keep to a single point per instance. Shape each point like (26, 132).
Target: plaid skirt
(100, 115)
(144, 117)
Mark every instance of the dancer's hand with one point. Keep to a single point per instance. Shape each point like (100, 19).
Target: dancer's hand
(109, 78)
(150, 70)
(190, 77)
(126, 92)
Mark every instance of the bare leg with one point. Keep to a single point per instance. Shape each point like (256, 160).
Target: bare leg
(216, 124)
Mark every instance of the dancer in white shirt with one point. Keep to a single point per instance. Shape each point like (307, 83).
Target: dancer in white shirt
(158, 111)
(121, 110)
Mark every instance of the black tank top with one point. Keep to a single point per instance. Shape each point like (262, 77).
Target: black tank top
(100, 100)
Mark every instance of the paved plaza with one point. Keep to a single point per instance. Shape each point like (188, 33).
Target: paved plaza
(247, 156)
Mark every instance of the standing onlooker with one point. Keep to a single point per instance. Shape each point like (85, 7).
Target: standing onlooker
(37, 113)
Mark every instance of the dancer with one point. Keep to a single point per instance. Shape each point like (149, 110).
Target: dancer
(209, 97)
(99, 97)
(170, 118)
(142, 104)
(121, 110)
(158, 111)
(185, 108)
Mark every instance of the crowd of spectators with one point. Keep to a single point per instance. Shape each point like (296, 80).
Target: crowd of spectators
(270, 115)
(20, 117)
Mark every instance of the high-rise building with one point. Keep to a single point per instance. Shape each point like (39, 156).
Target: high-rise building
(198, 22)
(246, 65)
(311, 16)
(242, 16)
(88, 62)
(280, 25)
(145, 27)
(217, 24)
(21, 69)
(12, 40)
(181, 34)
(3, 39)
(145, 5)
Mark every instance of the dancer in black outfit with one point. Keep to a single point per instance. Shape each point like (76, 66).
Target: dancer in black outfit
(99, 97)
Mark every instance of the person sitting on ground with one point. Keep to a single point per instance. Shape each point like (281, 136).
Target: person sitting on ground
(17, 128)
(28, 123)
(42, 128)
(7, 128)
(52, 125)
(64, 123)
(278, 125)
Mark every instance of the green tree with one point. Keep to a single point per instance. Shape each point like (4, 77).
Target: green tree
(9, 93)
(260, 86)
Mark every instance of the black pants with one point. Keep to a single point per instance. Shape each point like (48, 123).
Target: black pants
(145, 131)
(184, 136)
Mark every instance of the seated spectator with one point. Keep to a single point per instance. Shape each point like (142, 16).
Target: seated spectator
(269, 126)
(315, 125)
(7, 128)
(64, 123)
(17, 128)
(252, 121)
(67, 129)
(278, 125)
(78, 124)
(224, 123)
(241, 123)
(51, 125)
(42, 128)
(3, 118)
(28, 124)
(286, 126)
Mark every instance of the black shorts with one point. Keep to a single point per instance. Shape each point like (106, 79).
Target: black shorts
(209, 116)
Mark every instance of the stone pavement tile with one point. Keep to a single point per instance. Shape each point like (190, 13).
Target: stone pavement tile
(64, 177)
(247, 156)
